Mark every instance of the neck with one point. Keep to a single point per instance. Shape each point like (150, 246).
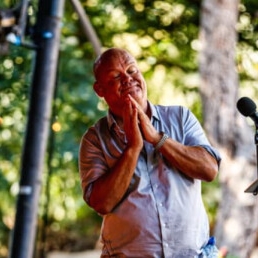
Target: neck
(119, 119)
(148, 110)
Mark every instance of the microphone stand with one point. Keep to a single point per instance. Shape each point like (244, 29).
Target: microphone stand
(253, 188)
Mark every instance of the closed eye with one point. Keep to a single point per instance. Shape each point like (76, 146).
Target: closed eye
(116, 76)
(132, 70)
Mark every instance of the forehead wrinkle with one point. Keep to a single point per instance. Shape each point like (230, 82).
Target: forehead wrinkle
(110, 56)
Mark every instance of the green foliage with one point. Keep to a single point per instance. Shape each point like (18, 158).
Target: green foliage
(247, 48)
(211, 197)
(14, 78)
(163, 36)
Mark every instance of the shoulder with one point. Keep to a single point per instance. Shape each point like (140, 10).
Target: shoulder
(93, 131)
(173, 111)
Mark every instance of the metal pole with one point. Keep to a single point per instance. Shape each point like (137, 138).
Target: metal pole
(86, 24)
(47, 38)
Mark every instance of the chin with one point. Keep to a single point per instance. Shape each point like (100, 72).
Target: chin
(141, 100)
(137, 97)
(137, 94)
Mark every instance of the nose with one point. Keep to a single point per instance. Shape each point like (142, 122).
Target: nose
(126, 79)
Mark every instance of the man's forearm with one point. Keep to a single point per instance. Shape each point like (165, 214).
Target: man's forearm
(193, 161)
(109, 189)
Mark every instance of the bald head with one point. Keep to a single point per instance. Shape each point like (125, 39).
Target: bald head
(108, 57)
(117, 76)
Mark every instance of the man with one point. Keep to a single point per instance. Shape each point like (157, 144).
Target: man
(141, 169)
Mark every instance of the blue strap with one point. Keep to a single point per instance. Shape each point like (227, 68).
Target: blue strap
(210, 250)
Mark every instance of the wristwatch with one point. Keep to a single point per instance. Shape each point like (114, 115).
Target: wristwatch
(161, 141)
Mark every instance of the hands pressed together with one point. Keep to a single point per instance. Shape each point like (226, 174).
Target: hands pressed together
(194, 161)
(137, 125)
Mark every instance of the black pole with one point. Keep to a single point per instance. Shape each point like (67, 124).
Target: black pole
(256, 143)
(253, 188)
(47, 38)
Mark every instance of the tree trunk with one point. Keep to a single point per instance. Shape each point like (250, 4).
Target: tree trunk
(237, 218)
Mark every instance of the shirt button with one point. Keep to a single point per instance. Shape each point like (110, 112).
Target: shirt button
(161, 204)
(165, 225)
(166, 244)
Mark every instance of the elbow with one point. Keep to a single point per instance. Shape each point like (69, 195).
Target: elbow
(212, 169)
(210, 178)
(100, 207)
(97, 205)
(211, 174)
(100, 202)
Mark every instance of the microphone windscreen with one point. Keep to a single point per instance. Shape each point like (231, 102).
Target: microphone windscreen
(246, 106)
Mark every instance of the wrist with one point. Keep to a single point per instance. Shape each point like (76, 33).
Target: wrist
(161, 141)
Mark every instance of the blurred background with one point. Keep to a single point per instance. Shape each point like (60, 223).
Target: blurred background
(166, 39)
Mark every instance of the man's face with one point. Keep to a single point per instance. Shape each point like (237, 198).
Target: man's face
(117, 75)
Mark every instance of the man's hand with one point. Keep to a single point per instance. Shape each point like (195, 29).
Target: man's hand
(149, 132)
(131, 125)
(193, 161)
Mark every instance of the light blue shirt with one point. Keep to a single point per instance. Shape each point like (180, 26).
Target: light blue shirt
(162, 213)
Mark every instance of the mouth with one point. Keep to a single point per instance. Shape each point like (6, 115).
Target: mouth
(132, 90)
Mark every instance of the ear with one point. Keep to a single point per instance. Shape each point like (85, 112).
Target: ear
(98, 89)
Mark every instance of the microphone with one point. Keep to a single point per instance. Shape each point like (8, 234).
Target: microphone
(248, 108)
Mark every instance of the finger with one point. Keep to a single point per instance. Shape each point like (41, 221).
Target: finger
(135, 115)
(141, 113)
(133, 101)
(127, 106)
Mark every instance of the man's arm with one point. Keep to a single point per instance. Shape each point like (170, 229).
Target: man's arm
(109, 189)
(193, 161)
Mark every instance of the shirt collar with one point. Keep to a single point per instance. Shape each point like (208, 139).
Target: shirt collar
(154, 113)
(110, 119)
